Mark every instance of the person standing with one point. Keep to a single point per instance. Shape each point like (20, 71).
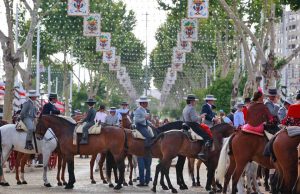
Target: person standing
(124, 109)
(101, 115)
(49, 108)
(90, 121)
(142, 121)
(271, 104)
(239, 116)
(28, 115)
(231, 114)
(207, 109)
(112, 119)
(193, 120)
(282, 112)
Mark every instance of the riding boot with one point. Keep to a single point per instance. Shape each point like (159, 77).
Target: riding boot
(84, 139)
(203, 155)
(29, 145)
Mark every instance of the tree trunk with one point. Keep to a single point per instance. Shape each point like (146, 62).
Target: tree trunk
(237, 77)
(66, 83)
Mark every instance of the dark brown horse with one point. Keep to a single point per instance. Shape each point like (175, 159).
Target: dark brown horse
(285, 151)
(245, 147)
(191, 164)
(64, 131)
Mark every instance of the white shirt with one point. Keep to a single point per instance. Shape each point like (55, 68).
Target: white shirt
(100, 117)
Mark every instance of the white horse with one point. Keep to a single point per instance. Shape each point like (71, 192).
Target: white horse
(11, 139)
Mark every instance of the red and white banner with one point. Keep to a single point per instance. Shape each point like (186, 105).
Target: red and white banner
(92, 25)
(189, 30)
(198, 8)
(78, 7)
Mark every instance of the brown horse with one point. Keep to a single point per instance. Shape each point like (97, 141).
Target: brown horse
(297, 185)
(111, 139)
(245, 147)
(191, 164)
(285, 151)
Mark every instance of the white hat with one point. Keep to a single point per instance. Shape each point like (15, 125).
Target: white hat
(209, 97)
(289, 101)
(143, 99)
(239, 104)
(32, 93)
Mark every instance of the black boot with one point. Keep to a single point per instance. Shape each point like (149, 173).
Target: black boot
(29, 145)
(203, 155)
(84, 139)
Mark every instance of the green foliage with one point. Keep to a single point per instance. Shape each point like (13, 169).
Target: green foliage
(279, 63)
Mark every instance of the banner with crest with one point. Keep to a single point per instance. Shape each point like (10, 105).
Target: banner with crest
(110, 55)
(103, 41)
(116, 65)
(198, 9)
(183, 46)
(178, 56)
(171, 74)
(189, 30)
(177, 67)
(78, 7)
(92, 25)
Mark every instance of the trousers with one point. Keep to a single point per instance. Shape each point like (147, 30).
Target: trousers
(143, 129)
(86, 127)
(29, 122)
(144, 164)
(195, 127)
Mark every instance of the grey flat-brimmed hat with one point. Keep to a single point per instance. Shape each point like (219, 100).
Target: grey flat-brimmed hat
(210, 97)
(32, 93)
(143, 99)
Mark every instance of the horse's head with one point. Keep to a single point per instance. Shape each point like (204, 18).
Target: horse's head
(126, 121)
(42, 125)
(224, 129)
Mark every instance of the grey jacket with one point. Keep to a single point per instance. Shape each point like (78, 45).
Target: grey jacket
(112, 120)
(273, 108)
(282, 113)
(90, 117)
(189, 114)
(29, 110)
(139, 116)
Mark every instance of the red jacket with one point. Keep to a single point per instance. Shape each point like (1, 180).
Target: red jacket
(293, 116)
(245, 110)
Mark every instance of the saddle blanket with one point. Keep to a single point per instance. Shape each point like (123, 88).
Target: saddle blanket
(20, 126)
(195, 136)
(259, 130)
(95, 129)
(293, 131)
(136, 134)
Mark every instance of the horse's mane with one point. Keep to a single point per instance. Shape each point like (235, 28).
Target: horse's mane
(60, 119)
(170, 126)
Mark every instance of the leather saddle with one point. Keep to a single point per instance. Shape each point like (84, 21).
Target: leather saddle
(95, 129)
(190, 132)
(21, 127)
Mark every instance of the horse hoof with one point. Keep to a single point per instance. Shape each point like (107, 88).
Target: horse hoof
(47, 185)
(64, 183)
(130, 183)
(24, 182)
(185, 187)
(125, 184)
(198, 184)
(4, 184)
(69, 186)
(104, 182)
(153, 189)
(194, 184)
(111, 185)
(164, 187)
(174, 190)
(211, 192)
(118, 187)
(59, 184)
(93, 182)
(19, 183)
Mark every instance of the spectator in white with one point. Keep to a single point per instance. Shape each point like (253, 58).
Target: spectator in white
(239, 116)
(224, 118)
(101, 115)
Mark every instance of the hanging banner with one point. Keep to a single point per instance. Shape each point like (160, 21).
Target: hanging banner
(91, 25)
(78, 7)
(110, 55)
(189, 30)
(177, 67)
(178, 56)
(198, 9)
(103, 42)
(171, 74)
(183, 46)
(116, 65)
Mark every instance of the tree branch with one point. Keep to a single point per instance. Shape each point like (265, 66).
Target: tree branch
(27, 6)
(3, 38)
(288, 59)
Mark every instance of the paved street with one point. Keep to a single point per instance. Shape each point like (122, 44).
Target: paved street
(83, 185)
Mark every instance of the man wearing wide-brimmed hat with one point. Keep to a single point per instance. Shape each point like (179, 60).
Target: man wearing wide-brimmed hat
(89, 119)
(207, 108)
(28, 114)
(123, 109)
(192, 119)
(271, 103)
(239, 119)
(50, 108)
(112, 119)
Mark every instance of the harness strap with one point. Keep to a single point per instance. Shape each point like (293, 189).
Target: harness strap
(35, 144)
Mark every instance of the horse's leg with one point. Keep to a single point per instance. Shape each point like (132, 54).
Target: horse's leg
(70, 161)
(228, 174)
(210, 176)
(199, 162)
(121, 166)
(46, 156)
(134, 160)
(23, 161)
(131, 168)
(179, 172)
(101, 163)
(165, 169)
(18, 161)
(92, 162)
(5, 154)
(191, 164)
(59, 164)
(162, 182)
(239, 169)
(63, 170)
(266, 179)
(109, 163)
(157, 170)
(254, 175)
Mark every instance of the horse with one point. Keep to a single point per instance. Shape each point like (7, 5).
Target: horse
(11, 139)
(191, 164)
(110, 139)
(244, 148)
(297, 184)
(285, 154)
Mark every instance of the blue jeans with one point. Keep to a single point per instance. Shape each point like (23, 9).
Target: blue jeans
(144, 163)
(143, 129)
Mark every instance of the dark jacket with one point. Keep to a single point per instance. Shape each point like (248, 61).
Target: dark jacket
(90, 117)
(50, 109)
(209, 113)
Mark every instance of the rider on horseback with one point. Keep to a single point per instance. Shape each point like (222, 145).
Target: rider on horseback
(90, 121)
(50, 108)
(271, 104)
(293, 115)
(193, 120)
(112, 119)
(28, 115)
(124, 109)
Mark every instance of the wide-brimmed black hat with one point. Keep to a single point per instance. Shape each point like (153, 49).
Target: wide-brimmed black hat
(52, 95)
(191, 97)
(272, 92)
(124, 103)
(90, 101)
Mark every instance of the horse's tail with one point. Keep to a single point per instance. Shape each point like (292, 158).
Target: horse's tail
(223, 161)
(191, 163)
